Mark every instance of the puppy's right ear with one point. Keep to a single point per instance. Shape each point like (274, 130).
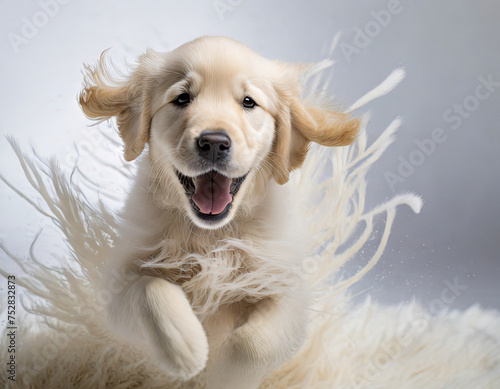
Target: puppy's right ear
(129, 100)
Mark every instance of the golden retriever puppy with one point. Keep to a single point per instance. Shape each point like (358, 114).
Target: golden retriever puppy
(209, 233)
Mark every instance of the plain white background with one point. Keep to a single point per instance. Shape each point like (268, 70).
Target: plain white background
(445, 47)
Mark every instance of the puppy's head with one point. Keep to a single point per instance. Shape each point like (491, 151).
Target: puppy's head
(216, 115)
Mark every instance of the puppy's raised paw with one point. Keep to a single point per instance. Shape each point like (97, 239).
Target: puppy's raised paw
(176, 336)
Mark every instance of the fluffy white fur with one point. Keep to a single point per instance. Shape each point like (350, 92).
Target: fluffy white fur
(343, 346)
(209, 292)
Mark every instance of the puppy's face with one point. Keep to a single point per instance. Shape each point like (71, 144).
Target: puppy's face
(213, 127)
(215, 114)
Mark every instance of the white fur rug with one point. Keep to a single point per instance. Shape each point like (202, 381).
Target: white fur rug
(63, 341)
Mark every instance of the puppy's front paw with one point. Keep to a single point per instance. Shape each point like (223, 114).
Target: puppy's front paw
(176, 335)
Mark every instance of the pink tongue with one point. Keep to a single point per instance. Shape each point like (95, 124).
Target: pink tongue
(212, 193)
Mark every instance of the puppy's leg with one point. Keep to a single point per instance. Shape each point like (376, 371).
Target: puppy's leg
(274, 331)
(155, 312)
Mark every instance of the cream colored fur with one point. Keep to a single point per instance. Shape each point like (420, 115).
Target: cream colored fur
(238, 323)
(250, 335)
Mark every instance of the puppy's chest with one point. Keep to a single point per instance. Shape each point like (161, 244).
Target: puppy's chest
(223, 272)
(182, 262)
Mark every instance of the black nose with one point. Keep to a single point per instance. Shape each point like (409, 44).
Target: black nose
(214, 146)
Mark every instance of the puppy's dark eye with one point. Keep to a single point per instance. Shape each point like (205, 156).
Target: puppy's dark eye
(182, 100)
(248, 102)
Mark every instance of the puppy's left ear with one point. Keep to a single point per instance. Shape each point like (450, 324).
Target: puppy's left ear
(297, 124)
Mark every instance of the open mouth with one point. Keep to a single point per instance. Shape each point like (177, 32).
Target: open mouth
(211, 194)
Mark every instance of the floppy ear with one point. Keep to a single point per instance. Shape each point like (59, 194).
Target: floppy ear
(129, 100)
(298, 124)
